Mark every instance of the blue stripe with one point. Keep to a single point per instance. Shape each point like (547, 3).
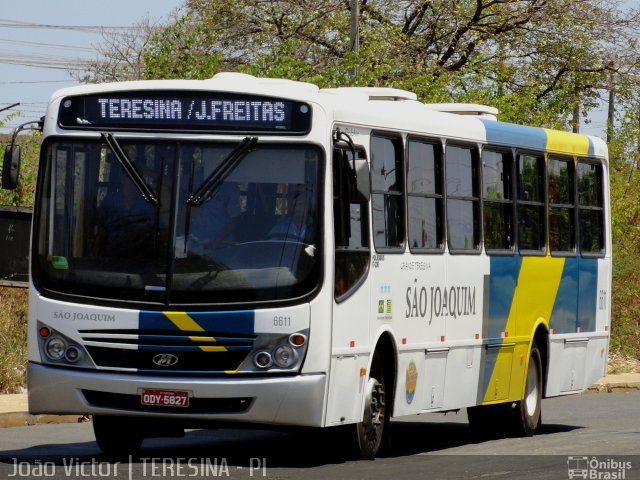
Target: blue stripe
(565, 308)
(169, 338)
(499, 133)
(186, 348)
(238, 321)
(502, 287)
(588, 294)
(575, 304)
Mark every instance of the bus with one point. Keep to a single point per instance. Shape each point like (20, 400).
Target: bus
(258, 251)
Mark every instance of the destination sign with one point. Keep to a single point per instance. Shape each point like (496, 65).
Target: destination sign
(184, 111)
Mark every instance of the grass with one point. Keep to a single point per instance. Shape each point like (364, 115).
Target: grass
(13, 339)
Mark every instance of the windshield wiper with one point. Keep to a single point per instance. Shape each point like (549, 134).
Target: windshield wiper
(130, 169)
(213, 181)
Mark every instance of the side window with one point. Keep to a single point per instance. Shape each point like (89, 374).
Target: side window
(497, 193)
(387, 193)
(531, 214)
(352, 252)
(463, 200)
(562, 208)
(424, 196)
(590, 208)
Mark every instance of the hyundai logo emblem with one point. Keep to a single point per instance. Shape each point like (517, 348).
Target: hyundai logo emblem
(165, 360)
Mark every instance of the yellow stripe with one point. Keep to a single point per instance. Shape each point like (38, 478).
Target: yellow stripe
(207, 348)
(534, 298)
(184, 322)
(203, 339)
(567, 143)
(536, 292)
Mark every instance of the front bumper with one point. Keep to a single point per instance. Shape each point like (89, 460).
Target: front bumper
(287, 400)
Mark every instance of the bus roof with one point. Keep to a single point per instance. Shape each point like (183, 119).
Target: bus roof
(379, 108)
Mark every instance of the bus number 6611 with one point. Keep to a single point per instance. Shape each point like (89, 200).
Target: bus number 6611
(280, 321)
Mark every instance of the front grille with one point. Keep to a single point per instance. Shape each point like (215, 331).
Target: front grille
(122, 401)
(174, 352)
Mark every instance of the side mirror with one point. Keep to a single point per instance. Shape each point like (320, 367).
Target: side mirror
(11, 167)
(362, 188)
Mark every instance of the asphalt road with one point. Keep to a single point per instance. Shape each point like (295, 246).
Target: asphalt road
(586, 436)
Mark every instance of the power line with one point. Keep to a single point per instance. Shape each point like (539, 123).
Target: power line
(47, 45)
(6, 23)
(23, 82)
(46, 61)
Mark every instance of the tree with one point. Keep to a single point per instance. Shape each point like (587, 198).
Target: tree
(121, 55)
(530, 58)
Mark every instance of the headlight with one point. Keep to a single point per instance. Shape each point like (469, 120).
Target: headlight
(60, 349)
(54, 348)
(73, 354)
(285, 356)
(263, 359)
(277, 353)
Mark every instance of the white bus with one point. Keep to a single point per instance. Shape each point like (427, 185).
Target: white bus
(263, 251)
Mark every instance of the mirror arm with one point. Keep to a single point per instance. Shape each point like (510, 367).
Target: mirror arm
(11, 160)
(37, 125)
(340, 136)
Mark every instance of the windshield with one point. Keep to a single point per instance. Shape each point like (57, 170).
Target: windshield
(252, 236)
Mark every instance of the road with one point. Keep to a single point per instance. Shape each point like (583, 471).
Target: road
(587, 436)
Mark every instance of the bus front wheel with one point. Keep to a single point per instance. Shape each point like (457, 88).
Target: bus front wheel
(117, 436)
(370, 432)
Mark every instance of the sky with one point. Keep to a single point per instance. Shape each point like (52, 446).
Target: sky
(30, 34)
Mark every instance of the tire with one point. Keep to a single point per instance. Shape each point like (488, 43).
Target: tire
(528, 410)
(521, 418)
(117, 436)
(370, 433)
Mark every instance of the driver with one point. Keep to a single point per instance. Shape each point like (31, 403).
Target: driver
(296, 225)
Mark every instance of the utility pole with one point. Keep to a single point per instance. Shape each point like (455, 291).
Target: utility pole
(355, 34)
(611, 111)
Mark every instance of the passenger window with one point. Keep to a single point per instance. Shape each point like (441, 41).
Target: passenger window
(387, 192)
(463, 200)
(498, 201)
(424, 196)
(590, 208)
(531, 210)
(562, 225)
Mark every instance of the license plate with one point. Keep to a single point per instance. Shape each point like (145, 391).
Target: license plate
(165, 398)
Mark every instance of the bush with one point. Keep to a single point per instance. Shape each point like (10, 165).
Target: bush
(625, 300)
(13, 339)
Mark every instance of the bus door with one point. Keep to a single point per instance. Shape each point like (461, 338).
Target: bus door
(350, 319)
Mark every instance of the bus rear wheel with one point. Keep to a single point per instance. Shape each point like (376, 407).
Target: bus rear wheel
(528, 410)
(117, 436)
(370, 432)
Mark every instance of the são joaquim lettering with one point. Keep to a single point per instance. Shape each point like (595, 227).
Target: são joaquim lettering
(255, 111)
(435, 301)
